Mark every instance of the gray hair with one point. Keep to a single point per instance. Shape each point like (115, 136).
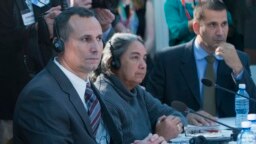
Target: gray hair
(116, 47)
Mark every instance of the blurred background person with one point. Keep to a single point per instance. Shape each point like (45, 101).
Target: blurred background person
(138, 18)
(179, 18)
(13, 74)
(20, 56)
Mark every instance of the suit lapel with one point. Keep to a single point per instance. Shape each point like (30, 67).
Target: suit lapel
(223, 76)
(108, 121)
(77, 103)
(68, 88)
(189, 70)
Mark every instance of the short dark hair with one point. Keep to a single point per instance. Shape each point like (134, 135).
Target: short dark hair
(216, 5)
(62, 28)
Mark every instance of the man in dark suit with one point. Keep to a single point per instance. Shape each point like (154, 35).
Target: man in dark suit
(178, 71)
(60, 105)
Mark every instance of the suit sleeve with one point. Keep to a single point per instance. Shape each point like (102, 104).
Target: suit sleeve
(250, 85)
(42, 119)
(156, 80)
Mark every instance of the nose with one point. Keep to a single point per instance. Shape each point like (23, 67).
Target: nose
(143, 64)
(96, 46)
(220, 30)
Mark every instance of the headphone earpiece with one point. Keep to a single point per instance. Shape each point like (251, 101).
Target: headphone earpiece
(58, 45)
(115, 63)
(57, 42)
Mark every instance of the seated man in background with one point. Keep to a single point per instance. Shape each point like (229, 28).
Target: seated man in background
(60, 105)
(179, 70)
(135, 111)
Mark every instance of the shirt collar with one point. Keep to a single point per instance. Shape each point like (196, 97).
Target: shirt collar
(200, 53)
(78, 83)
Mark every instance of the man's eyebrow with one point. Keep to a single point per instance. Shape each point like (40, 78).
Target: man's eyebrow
(90, 35)
(135, 53)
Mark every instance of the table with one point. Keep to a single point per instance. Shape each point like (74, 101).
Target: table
(228, 121)
(182, 139)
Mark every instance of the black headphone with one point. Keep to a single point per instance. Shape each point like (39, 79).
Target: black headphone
(115, 63)
(57, 42)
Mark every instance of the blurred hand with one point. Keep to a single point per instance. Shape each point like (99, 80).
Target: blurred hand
(229, 54)
(169, 127)
(151, 139)
(105, 17)
(200, 121)
(121, 28)
(50, 16)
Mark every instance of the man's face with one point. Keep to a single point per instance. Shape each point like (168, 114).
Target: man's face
(82, 3)
(84, 46)
(213, 29)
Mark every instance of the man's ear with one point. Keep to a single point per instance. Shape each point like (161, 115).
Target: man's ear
(196, 26)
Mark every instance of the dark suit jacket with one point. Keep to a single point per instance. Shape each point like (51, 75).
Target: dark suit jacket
(49, 111)
(174, 77)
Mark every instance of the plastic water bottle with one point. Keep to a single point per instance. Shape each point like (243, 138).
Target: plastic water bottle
(246, 136)
(241, 105)
(252, 119)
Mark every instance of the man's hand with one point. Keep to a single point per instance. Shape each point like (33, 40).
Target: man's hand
(229, 54)
(151, 139)
(50, 16)
(105, 17)
(169, 127)
(200, 121)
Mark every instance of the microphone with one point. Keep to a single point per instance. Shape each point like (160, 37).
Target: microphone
(209, 83)
(182, 107)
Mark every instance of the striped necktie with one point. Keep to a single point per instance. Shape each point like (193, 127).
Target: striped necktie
(93, 108)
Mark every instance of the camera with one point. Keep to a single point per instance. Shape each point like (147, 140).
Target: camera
(107, 4)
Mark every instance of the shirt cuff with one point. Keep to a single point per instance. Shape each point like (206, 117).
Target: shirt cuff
(237, 76)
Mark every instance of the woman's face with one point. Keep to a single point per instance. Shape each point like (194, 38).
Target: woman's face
(133, 65)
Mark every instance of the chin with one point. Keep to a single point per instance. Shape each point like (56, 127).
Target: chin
(91, 68)
(139, 81)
